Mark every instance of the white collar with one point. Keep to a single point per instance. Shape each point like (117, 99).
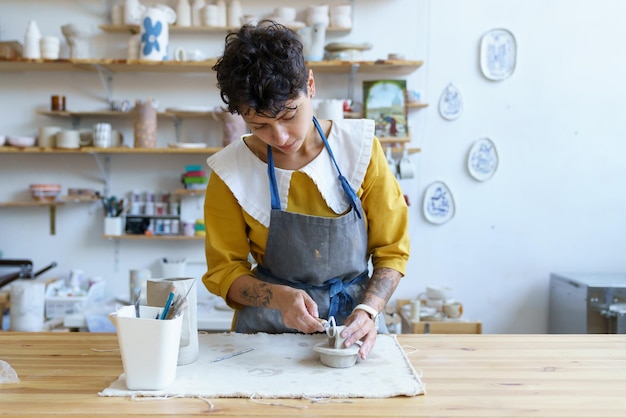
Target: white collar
(246, 176)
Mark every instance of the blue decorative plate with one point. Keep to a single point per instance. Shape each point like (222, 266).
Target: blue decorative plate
(438, 203)
(482, 159)
(451, 102)
(498, 51)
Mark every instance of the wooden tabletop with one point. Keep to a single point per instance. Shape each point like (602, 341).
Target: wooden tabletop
(465, 376)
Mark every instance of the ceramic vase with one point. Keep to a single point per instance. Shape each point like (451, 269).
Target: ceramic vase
(183, 13)
(145, 124)
(221, 7)
(32, 38)
(196, 12)
(313, 38)
(78, 36)
(133, 10)
(234, 13)
(155, 32)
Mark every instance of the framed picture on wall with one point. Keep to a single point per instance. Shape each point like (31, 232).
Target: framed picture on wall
(384, 101)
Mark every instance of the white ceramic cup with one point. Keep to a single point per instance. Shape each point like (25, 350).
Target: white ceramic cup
(211, 15)
(331, 109)
(406, 170)
(102, 135)
(47, 136)
(285, 14)
(68, 139)
(341, 16)
(318, 14)
(50, 47)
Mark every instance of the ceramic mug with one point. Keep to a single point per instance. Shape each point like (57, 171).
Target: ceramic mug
(406, 170)
(47, 135)
(68, 139)
(393, 167)
(102, 135)
(453, 309)
(189, 55)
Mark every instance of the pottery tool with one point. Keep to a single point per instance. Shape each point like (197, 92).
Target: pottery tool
(168, 303)
(236, 353)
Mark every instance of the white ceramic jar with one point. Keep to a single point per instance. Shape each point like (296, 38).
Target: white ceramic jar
(32, 38)
(155, 32)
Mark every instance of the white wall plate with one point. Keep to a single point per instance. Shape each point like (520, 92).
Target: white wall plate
(451, 102)
(438, 205)
(482, 159)
(498, 54)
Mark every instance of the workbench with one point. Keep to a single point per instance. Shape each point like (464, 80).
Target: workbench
(480, 375)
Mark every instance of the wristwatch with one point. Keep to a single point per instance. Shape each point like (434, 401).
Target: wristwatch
(370, 311)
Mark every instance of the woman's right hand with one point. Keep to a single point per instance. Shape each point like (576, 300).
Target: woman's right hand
(299, 310)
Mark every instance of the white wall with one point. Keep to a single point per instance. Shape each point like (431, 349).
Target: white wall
(556, 202)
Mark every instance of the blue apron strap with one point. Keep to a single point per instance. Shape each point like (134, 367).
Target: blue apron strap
(341, 303)
(271, 174)
(344, 183)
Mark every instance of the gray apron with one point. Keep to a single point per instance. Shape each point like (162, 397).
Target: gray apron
(326, 257)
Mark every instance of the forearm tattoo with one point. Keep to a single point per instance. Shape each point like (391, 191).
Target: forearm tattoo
(382, 285)
(257, 294)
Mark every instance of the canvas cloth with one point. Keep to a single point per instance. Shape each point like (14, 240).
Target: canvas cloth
(285, 366)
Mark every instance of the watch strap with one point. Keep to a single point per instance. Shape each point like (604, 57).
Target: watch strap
(371, 311)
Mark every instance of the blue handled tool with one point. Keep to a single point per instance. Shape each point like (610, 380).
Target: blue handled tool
(168, 303)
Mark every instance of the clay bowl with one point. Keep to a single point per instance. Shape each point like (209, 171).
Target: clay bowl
(337, 357)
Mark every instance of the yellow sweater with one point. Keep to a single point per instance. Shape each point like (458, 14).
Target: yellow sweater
(232, 234)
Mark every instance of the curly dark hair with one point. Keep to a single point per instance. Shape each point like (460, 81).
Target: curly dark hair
(261, 69)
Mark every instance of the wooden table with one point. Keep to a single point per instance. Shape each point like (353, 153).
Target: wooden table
(465, 375)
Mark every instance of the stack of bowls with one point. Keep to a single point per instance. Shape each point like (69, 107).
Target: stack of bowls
(45, 192)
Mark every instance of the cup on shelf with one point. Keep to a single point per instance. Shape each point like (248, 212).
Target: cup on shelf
(102, 135)
(113, 226)
(47, 136)
(69, 138)
(50, 47)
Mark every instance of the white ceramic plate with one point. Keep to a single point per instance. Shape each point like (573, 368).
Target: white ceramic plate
(482, 159)
(188, 145)
(498, 53)
(438, 205)
(451, 102)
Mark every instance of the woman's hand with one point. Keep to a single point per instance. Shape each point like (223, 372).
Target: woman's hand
(360, 327)
(299, 310)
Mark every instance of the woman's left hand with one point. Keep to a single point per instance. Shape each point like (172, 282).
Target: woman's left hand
(359, 326)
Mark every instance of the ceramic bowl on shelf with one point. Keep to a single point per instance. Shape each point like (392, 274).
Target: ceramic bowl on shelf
(45, 192)
(21, 141)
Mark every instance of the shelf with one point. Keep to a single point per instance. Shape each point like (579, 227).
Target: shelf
(118, 150)
(396, 67)
(51, 205)
(189, 192)
(154, 237)
(119, 114)
(195, 29)
(416, 105)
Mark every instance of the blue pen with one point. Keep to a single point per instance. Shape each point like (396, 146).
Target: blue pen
(167, 305)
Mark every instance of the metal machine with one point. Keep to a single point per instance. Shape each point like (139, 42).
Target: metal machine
(587, 304)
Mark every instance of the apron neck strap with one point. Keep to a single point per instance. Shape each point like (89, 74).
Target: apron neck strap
(275, 197)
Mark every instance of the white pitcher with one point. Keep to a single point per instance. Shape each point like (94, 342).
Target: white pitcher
(155, 32)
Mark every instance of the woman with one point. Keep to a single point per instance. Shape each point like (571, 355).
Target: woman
(311, 201)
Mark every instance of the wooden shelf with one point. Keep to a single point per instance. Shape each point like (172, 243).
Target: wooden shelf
(51, 205)
(118, 150)
(395, 67)
(416, 105)
(155, 237)
(195, 29)
(189, 192)
(119, 114)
